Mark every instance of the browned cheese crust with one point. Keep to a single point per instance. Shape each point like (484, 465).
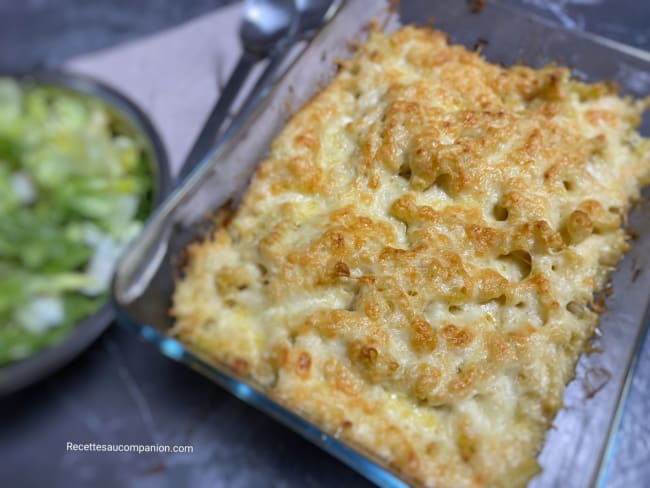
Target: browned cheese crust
(412, 267)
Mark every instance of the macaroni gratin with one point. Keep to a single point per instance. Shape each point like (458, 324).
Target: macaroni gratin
(413, 267)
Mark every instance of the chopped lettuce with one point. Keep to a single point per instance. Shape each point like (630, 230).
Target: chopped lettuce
(73, 189)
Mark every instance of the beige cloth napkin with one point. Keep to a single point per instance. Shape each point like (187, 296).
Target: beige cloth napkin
(174, 76)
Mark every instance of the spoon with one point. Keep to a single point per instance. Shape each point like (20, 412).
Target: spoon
(265, 24)
(312, 14)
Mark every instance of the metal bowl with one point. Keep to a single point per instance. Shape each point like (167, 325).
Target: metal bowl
(24, 372)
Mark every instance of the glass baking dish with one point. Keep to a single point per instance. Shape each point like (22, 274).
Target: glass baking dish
(580, 444)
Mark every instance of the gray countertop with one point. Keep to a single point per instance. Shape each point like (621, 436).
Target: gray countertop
(123, 391)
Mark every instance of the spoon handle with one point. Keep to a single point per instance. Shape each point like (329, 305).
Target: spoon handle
(206, 139)
(263, 85)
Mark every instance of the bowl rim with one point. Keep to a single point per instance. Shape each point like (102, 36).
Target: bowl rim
(22, 373)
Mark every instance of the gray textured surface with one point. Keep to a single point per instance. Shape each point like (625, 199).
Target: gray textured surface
(123, 391)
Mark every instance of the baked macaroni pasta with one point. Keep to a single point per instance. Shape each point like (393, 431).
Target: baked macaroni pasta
(413, 267)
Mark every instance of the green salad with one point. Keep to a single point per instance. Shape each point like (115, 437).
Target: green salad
(74, 188)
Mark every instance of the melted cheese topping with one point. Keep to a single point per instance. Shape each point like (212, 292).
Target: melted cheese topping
(412, 268)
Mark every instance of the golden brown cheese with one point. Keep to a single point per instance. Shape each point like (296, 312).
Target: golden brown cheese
(412, 267)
